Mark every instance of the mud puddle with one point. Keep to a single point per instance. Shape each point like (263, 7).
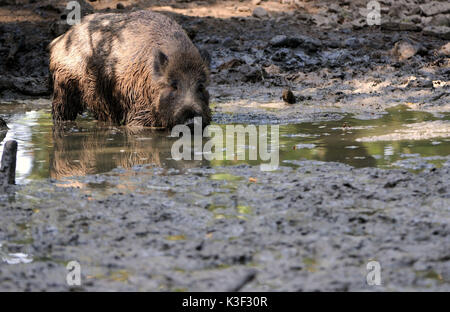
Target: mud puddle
(88, 147)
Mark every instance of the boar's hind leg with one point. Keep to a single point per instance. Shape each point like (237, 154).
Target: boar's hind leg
(67, 103)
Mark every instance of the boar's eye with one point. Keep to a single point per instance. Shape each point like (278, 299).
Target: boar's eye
(174, 84)
(200, 87)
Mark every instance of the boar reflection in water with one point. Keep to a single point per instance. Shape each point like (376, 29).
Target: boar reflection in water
(101, 150)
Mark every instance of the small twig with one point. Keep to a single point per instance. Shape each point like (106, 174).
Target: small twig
(437, 97)
(250, 276)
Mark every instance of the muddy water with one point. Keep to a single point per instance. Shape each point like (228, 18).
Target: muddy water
(354, 141)
(89, 147)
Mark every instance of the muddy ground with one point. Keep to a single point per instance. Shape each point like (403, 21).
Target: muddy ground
(236, 228)
(311, 227)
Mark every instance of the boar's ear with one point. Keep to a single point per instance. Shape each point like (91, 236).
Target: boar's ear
(160, 62)
(205, 56)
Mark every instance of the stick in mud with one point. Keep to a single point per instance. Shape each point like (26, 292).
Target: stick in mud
(247, 278)
(8, 167)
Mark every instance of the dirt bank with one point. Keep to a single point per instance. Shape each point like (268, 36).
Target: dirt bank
(325, 52)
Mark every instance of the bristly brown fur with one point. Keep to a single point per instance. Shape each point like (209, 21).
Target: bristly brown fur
(106, 64)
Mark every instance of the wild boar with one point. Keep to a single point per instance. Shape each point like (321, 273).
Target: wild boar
(138, 69)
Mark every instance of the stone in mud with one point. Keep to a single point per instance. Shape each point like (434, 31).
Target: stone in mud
(441, 20)
(288, 96)
(404, 50)
(305, 59)
(139, 69)
(435, 7)
(282, 55)
(310, 44)
(272, 70)
(307, 43)
(250, 73)
(401, 26)
(334, 8)
(260, 12)
(285, 41)
(8, 164)
(416, 19)
(353, 42)
(420, 83)
(444, 50)
(229, 42)
(243, 9)
(278, 40)
(442, 32)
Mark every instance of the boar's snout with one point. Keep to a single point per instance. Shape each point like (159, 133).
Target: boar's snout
(186, 117)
